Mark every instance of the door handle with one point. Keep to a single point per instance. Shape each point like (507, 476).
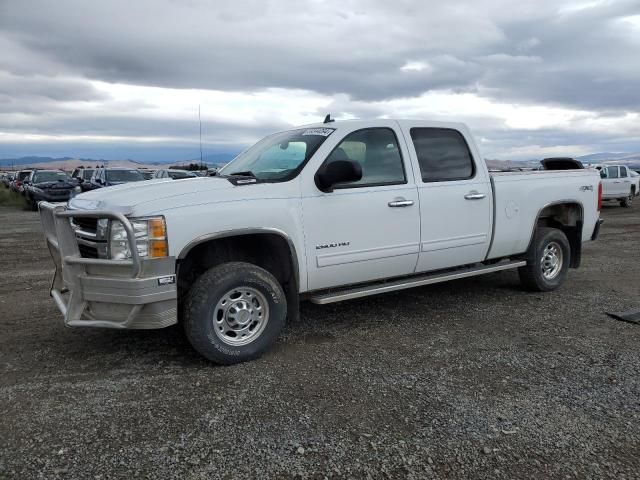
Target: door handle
(401, 202)
(474, 195)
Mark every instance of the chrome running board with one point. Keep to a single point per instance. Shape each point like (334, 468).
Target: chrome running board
(415, 281)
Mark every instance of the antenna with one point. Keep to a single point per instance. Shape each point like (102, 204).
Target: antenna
(328, 119)
(200, 122)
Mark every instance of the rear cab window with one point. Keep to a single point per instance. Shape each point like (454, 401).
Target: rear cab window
(443, 154)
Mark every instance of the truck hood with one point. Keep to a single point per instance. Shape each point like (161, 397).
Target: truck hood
(140, 197)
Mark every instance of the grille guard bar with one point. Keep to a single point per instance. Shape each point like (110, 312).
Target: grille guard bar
(70, 265)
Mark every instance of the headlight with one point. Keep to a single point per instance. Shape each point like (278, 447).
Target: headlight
(150, 235)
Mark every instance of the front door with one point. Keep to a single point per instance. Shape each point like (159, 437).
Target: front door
(367, 229)
(455, 198)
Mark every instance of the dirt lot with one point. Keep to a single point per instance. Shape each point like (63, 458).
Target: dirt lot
(472, 379)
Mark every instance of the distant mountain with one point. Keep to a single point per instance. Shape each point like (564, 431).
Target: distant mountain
(213, 160)
(630, 159)
(33, 161)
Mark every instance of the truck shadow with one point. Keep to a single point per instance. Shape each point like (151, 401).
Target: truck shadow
(169, 348)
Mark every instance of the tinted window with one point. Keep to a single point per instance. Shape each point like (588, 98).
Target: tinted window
(443, 154)
(123, 175)
(612, 172)
(377, 152)
(40, 177)
(623, 172)
(176, 174)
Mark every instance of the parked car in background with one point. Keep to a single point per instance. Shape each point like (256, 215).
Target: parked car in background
(387, 205)
(16, 184)
(106, 177)
(83, 177)
(7, 178)
(174, 174)
(50, 185)
(618, 184)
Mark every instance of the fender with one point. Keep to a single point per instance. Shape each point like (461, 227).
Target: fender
(247, 231)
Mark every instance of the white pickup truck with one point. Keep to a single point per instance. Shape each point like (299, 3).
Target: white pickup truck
(324, 213)
(619, 183)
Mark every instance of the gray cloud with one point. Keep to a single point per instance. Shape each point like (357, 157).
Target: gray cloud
(529, 53)
(535, 52)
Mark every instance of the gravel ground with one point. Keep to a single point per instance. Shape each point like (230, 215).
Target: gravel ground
(471, 379)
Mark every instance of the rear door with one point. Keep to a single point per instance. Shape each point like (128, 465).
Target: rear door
(455, 194)
(626, 180)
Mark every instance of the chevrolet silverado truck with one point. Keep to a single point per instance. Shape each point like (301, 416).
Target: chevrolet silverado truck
(619, 184)
(324, 213)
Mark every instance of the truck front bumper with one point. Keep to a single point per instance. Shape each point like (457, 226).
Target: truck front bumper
(95, 292)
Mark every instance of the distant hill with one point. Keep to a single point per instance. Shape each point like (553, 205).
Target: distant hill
(69, 163)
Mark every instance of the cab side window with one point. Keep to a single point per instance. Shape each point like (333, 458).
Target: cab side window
(623, 172)
(612, 172)
(377, 152)
(443, 154)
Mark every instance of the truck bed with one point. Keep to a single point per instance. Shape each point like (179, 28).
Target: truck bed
(520, 197)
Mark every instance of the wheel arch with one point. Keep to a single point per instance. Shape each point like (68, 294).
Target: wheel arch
(565, 215)
(265, 247)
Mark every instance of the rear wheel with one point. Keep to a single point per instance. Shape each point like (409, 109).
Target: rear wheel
(548, 261)
(234, 312)
(627, 202)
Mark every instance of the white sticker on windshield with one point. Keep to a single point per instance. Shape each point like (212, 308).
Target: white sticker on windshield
(323, 132)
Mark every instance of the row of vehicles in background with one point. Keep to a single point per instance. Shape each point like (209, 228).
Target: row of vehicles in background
(91, 179)
(50, 185)
(619, 182)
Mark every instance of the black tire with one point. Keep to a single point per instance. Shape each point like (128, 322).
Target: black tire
(31, 204)
(531, 275)
(627, 202)
(201, 306)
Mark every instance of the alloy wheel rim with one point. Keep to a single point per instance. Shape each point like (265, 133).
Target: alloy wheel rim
(240, 316)
(551, 261)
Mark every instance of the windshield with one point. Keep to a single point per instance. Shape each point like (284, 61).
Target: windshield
(123, 175)
(41, 177)
(278, 157)
(175, 174)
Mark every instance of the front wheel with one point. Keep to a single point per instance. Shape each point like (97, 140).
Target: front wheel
(548, 261)
(234, 312)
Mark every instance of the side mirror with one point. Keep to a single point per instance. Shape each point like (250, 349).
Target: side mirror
(335, 172)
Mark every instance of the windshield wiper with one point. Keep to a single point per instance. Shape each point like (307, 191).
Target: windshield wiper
(247, 173)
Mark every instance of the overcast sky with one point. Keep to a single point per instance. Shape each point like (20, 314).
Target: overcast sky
(124, 78)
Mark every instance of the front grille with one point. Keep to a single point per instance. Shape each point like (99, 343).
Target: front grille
(89, 225)
(88, 252)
